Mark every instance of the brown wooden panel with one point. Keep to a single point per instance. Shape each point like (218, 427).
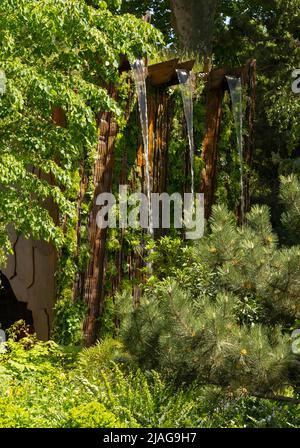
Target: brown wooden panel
(216, 85)
(24, 261)
(187, 65)
(209, 148)
(162, 73)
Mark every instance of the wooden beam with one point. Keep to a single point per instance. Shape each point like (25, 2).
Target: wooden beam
(187, 65)
(216, 86)
(214, 99)
(103, 177)
(162, 72)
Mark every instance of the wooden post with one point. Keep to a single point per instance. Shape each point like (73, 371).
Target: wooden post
(103, 175)
(216, 85)
(214, 97)
(160, 154)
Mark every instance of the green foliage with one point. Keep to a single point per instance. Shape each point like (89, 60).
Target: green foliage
(168, 256)
(101, 355)
(30, 355)
(267, 31)
(171, 257)
(251, 264)
(13, 416)
(227, 331)
(202, 341)
(161, 18)
(112, 5)
(108, 317)
(228, 189)
(57, 55)
(92, 415)
(290, 197)
(42, 385)
(68, 322)
(247, 412)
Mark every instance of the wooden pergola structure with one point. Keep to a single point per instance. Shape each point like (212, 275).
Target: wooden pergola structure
(215, 89)
(160, 77)
(33, 279)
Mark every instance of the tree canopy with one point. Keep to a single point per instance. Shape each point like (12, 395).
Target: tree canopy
(186, 333)
(55, 54)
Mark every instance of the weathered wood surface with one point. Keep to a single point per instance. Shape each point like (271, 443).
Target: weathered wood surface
(164, 73)
(214, 98)
(103, 176)
(31, 273)
(186, 65)
(31, 269)
(216, 86)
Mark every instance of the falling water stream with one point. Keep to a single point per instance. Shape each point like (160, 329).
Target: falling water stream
(140, 75)
(235, 87)
(186, 88)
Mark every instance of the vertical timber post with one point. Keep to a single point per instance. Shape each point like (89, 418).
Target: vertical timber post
(103, 176)
(214, 97)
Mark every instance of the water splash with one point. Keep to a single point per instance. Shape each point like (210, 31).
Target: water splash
(140, 74)
(236, 92)
(186, 88)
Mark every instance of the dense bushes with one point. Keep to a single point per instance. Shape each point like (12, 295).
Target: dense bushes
(230, 324)
(44, 385)
(92, 415)
(210, 337)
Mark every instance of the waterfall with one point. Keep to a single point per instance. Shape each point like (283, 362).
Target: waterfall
(140, 75)
(235, 87)
(186, 88)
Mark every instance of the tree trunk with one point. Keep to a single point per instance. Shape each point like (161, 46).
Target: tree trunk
(194, 24)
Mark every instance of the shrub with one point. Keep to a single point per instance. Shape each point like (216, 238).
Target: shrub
(13, 416)
(230, 334)
(92, 415)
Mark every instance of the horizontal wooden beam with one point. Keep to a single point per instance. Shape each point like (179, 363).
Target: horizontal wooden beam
(187, 65)
(217, 77)
(162, 73)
